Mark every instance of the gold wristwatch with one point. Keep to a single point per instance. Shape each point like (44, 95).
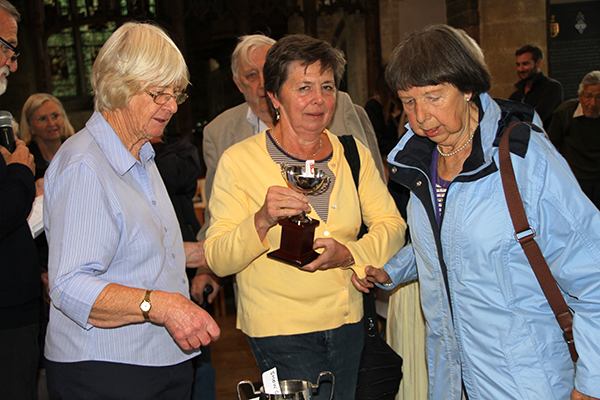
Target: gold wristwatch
(146, 305)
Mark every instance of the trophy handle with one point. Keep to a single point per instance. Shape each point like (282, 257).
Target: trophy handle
(322, 374)
(246, 383)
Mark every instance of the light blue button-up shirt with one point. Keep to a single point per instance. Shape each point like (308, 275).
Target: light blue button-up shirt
(108, 219)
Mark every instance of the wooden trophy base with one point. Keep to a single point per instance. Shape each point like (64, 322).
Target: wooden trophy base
(296, 243)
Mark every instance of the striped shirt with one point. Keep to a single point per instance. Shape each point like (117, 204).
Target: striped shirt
(108, 219)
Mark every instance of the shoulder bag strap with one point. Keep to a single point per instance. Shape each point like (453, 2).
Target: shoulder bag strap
(524, 234)
(370, 310)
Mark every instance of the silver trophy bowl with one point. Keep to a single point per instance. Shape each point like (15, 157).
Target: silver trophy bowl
(296, 179)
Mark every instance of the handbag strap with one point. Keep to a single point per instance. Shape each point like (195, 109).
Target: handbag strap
(525, 234)
(353, 159)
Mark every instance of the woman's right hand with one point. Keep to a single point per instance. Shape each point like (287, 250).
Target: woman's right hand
(280, 202)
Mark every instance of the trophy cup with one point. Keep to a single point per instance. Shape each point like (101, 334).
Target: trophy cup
(298, 232)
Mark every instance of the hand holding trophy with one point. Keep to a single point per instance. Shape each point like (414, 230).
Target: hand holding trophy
(298, 232)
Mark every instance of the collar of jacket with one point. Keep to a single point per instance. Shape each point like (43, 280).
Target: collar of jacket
(413, 153)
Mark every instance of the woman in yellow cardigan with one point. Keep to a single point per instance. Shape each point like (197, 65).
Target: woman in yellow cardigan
(302, 320)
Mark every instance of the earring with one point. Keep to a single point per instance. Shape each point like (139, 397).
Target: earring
(277, 114)
(467, 99)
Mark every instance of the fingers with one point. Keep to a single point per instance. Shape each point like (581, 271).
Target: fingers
(377, 275)
(359, 284)
(334, 255)
(189, 325)
(284, 202)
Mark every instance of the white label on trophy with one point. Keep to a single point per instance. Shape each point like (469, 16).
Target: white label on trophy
(309, 169)
(271, 381)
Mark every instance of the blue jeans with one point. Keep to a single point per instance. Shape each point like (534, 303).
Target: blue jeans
(304, 356)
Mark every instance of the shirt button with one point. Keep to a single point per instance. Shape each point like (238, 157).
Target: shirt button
(332, 165)
(326, 233)
(343, 287)
(166, 230)
(173, 255)
(345, 314)
(394, 170)
(153, 202)
(419, 183)
(333, 206)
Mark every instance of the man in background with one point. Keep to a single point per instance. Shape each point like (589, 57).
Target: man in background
(575, 131)
(542, 93)
(20, 285)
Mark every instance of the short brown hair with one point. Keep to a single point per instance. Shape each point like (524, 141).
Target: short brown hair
(306, 50)
(435, 55)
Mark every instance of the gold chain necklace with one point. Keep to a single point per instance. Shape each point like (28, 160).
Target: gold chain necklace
(292, 154)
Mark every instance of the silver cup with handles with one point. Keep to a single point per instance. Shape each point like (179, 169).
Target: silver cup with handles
(290, 389)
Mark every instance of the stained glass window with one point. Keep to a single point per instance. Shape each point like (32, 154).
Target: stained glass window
(72, 50)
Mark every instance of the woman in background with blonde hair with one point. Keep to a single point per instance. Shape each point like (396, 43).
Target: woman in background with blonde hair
(44, 127)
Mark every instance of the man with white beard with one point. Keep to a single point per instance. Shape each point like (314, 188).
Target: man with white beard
(19, 266)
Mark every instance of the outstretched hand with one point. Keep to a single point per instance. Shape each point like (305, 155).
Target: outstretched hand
(373, 275)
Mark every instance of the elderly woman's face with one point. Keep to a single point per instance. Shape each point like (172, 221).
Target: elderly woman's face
(148, 117)
(307, 99)
(436, 112)
(47, 122)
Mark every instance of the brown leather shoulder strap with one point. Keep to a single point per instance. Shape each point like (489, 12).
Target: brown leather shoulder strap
(524, 234)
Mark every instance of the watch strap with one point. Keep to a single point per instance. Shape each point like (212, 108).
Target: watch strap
(146, 300)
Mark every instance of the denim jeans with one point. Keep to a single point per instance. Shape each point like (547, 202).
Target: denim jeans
(304, 356)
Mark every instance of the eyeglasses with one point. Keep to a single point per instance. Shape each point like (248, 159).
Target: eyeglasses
(11, 48)
(162, 98)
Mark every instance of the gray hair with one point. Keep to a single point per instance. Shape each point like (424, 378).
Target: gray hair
(9, 8)
(246, 46)
(136, 56)
(591, 79)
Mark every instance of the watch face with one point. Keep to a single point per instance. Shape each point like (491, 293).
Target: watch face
(145, 306)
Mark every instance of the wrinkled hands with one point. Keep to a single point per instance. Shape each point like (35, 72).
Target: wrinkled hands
(200, 282)
(189, 325)
(374, 275)
(21, 155)
(280, 202)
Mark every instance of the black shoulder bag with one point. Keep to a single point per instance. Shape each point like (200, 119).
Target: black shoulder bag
(380, 370)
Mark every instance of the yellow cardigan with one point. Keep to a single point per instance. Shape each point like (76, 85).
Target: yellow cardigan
(278, 299)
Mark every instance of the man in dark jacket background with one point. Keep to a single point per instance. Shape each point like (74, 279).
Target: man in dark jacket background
(542, 93)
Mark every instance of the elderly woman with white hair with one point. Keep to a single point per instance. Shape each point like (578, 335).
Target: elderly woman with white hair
(121, 322)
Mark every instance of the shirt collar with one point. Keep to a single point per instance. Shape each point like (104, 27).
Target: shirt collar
(578, 111)
(257, 123)
(113, 148)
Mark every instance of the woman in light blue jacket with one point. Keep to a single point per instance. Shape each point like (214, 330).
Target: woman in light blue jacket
(491, 333)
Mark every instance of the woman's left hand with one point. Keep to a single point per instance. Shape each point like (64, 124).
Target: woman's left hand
(334, 255)
(576, 395)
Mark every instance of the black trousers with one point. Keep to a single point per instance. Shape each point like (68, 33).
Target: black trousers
(19, 358)
(91, 380)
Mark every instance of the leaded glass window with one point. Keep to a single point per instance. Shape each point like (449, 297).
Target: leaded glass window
(73, 49)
